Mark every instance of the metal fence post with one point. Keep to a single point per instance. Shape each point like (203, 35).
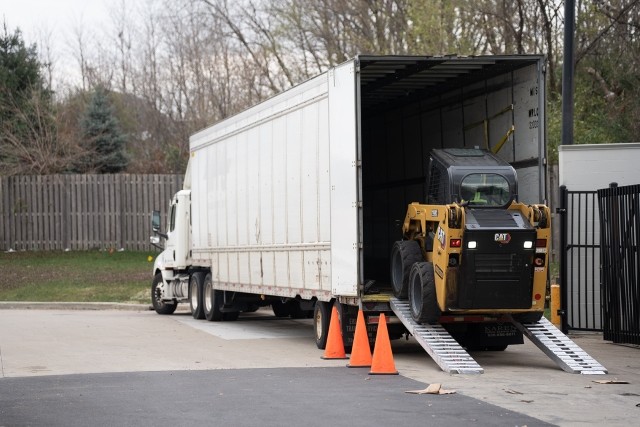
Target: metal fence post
(564, 299)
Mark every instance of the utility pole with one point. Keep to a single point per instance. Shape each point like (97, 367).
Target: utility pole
(567, 139)
(567, 73)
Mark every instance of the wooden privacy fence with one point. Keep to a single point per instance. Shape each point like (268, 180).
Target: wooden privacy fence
(79, 212)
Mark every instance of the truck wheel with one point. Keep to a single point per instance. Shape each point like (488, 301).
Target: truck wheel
(280, 309)
(404, 254)
(211, 299)
(422, 293)
(195, 295)
(321, 319)
(160, 306)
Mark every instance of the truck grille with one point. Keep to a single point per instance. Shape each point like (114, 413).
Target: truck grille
(498, 267)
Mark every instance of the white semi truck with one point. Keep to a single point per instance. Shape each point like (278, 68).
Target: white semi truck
(297, 201)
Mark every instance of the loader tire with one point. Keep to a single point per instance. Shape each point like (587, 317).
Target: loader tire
(160, 306)
(422, 293)
(404, 254)
(196, 303)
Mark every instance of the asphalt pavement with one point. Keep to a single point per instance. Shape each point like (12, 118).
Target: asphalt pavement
(134, 367)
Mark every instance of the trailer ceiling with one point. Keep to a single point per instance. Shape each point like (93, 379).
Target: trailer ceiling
(387, 80)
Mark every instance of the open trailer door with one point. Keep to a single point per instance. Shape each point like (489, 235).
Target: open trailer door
(343, 134)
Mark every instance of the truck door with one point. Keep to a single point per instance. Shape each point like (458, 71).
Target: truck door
(343, 135)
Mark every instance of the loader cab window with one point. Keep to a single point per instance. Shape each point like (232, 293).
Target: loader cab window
(437, 185)
(485, 189)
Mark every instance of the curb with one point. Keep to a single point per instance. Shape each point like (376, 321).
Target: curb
(19, 305)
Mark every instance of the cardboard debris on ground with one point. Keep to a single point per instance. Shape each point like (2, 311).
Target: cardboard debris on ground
(610, 382)
(435, 388)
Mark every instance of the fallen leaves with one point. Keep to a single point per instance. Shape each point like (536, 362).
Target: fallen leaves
(610, 382)
(435, 388)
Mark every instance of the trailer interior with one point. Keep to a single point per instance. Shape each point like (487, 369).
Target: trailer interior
(410, 105)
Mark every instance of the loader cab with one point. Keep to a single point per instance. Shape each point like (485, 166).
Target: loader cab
(470, 176)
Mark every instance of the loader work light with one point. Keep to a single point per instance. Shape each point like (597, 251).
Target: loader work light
(472, 244)
(528, 244)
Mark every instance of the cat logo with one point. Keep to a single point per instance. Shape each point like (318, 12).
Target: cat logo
(503, 238)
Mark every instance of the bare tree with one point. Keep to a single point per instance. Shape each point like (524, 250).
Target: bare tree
(30, 143)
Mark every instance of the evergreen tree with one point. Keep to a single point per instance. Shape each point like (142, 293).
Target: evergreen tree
(19, 72)
(28, 133)
(103, 137)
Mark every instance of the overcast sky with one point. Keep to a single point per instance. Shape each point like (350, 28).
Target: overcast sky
(55, 16)
(51, 23)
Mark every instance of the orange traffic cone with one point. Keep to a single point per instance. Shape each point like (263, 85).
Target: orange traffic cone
(382, 363)
(335, 346)
(360, 352)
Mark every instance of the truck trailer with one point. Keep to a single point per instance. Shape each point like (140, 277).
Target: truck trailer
(297, 202)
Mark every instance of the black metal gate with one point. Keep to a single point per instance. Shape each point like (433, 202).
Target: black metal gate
(580, 260)
(620, 236)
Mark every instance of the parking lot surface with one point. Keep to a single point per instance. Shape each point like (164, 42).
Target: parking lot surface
(117, 365)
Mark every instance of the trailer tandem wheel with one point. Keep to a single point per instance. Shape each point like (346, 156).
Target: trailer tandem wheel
(196, 282)
(211, 300)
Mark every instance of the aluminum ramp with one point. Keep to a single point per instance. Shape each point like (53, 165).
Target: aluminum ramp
(441, 346)
(567, 354)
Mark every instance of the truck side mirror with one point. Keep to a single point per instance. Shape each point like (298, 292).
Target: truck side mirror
(155, 226)
(155, 221)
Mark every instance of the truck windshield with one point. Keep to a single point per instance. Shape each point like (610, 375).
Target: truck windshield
(485, 189)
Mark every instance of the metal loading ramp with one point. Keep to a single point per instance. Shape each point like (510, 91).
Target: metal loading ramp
(443, 349)
(567, 354)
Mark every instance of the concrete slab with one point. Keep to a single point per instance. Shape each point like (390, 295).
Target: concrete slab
(36, 343)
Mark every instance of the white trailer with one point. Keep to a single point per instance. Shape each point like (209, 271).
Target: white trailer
(296, 202)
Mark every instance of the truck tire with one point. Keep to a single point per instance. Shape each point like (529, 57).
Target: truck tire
(196, 282)
(280, 309)
(404, 254)
(211, 299)
(321, 319)
(422, 293)
(161, 307)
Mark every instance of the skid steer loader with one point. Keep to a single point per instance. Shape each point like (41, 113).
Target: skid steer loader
(473, 258)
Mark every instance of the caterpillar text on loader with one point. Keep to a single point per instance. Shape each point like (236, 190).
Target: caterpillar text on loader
(473, 266)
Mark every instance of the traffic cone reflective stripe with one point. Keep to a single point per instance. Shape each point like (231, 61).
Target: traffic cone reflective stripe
(360, 352)
(382, 363)
(335, 346)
